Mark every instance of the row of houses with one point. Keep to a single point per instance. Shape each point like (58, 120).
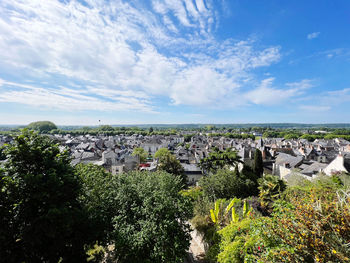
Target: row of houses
(281, 157)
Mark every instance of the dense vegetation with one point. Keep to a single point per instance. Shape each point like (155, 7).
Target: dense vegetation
(52, 212)
(305, 222)
(42, 126)
(42, 219)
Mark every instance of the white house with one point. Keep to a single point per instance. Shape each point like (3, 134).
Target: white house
(339, 164)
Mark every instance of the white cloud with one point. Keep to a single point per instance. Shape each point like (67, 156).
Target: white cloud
(315, 108)
(313, 35)
(301, 85)
(189, 14)
(72, 99)
(266, 94)
(123, 52)
(336, 97)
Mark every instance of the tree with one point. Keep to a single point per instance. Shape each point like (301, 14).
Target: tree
(227, 184)
(106, 128)
(167, 162)
(141, 153)
(161, 153)
(258, 163)
(143, 214)
(44, 221)
(42, 126)
(150, 129)
(220, 159)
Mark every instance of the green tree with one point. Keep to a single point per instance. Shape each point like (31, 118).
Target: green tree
(42, 126)
(141, 153)
(143, 214)
(161, 153)
(44, 221)
(258, 163)
(167, 162)
(228, 184)
(106, 128)
(220, 159)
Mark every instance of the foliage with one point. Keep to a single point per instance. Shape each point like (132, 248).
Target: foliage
(42, 126)
(310, 225)
(142, 214)
(238, 242)
(188, 137)
(220, 159)
(141, 153)
(193, 193)
(103, 128)
(149, 225)
(223, 221)
(167, 162)
(258, 163)
(270, 188)
(43, 221)
(96, 185)
(314, 228)
(161, 153)
(220, 214)
(228, 184)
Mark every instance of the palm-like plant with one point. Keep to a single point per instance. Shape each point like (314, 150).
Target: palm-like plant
(270, 188)
(221, 217)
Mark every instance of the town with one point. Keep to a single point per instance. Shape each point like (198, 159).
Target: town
(281, 157)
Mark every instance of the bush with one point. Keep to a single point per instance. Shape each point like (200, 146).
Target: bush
(228, 184)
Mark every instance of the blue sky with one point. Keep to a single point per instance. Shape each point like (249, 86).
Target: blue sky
(174, 61)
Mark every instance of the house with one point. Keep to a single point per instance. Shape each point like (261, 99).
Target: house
(339, 164)
(285, 163)
(313, 168)
(193, 173)
(153, 145)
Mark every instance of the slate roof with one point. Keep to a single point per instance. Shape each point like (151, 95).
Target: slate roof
(283, 158)
(314, 168)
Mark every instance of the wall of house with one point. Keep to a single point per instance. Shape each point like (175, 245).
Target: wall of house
(283, 171)
(337, 165)
(193, 178)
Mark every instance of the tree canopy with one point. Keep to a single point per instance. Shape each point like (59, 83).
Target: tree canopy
(141, 153)
(228, 184)
(219, 159)
(42, 126)
(143, 213)
(258, 163)
(43, 219)
(168, 162)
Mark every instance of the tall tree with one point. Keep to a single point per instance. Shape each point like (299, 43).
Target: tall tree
(220, 159)
(141, 153)
(44, 221)
(167, 162)
(258, 163)
(142, 214)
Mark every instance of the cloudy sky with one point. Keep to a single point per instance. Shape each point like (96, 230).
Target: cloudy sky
(174, 61)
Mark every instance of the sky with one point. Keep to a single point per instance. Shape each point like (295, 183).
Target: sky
(174, 61)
